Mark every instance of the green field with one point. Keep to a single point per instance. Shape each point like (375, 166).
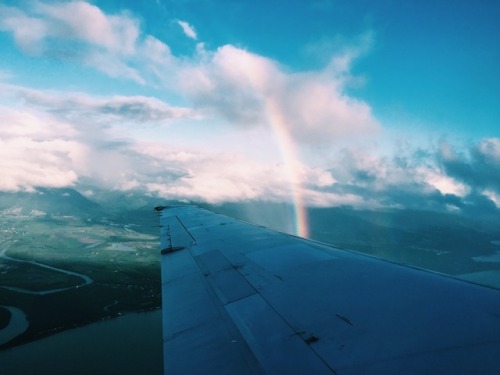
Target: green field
(121, 259)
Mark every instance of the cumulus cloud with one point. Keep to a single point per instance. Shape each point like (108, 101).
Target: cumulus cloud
(46, 142)
(77, 30)
(229, 83)
(32, 154)
(41, 148)
(249, 90)
(83, 21)
(26, 162)
(442, 178)
(28, 31)
(222, 176)
(76, 20)
(56, 138)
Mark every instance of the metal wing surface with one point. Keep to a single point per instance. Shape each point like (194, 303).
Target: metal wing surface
(242, 299)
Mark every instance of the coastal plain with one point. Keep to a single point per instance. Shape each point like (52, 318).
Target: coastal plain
(64, 271)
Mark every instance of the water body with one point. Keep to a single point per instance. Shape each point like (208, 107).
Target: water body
(495, 258)
(131, 344)
(17, 325)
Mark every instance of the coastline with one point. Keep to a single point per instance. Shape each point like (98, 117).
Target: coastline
(19, 340)
(18, 324)
(130, 344)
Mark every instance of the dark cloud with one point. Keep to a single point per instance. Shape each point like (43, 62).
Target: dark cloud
(102, 110)
(478, 166)
(449, 180)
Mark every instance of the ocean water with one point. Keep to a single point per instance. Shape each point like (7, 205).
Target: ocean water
(130, 344)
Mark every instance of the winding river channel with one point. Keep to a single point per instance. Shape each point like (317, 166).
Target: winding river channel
(18, 323)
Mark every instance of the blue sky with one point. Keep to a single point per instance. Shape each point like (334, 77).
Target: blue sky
(371, 104)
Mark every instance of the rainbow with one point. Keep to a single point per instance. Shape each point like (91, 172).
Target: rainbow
(290, 159)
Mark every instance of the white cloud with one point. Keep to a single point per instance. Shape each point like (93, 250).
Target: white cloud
(443, 183)
(86, 22)
(77, 30)
(230, 83)
(250, 90)
(157, 51)
(47, 142)
(61, 138)
(32, 155)
(188, 29)
(58, 139)
(28, 31)
(138, 110)
(222, 177)
(75, 20)
(113, 66)
(494, 197)
(490, 150)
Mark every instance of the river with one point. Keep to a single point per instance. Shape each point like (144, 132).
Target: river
(86, 279)
(17, 324)
(130, 344)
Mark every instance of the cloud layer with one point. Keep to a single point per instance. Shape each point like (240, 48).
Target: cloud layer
(65, 137)
(250, 90)
(48, 142)
(230, 83)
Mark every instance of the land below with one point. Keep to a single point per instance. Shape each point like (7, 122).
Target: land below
(67, 260)
(66, 267)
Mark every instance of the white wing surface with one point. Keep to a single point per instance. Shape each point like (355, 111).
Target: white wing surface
(242, 299)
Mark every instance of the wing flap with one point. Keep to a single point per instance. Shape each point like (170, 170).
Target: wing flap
(223, 277)
(198, 337)
(278, 347)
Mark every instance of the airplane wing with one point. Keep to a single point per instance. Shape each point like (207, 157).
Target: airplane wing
(243, 299)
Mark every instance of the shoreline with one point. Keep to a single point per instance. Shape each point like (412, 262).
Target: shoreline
(17, 342)
(135, 338)
(18, 324)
